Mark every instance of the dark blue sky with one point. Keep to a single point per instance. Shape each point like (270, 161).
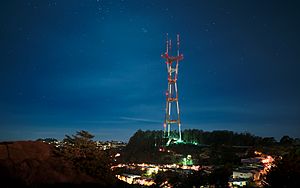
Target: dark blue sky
(96, 65)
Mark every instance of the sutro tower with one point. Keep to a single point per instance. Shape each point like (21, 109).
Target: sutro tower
(172, 116)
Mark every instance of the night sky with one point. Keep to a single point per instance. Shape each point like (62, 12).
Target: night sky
(96, 65)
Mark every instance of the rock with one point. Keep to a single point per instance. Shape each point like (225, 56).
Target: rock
(29, 163)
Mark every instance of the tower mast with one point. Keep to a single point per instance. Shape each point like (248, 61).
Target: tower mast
(172, 117)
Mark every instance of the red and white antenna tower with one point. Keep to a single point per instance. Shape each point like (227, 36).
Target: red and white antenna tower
(171, 116)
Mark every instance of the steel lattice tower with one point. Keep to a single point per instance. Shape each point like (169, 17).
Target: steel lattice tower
(172, 116)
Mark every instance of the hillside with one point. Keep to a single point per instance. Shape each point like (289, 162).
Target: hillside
(36, 164)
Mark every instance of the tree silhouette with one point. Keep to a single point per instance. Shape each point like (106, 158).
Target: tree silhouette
(220, 176)
(286, 172)
(82, 151)
(286, 140)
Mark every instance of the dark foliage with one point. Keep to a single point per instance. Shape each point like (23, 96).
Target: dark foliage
(143, 146)
(286, 171)
(82, 151)
(286, 140)
(220, 176)
(170, 178)
(197, 179)
(220, 138)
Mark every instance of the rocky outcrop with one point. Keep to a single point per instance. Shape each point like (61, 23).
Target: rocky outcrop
(34, 164)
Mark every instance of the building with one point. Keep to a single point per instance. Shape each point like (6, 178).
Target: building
(237, 182)
(136, 179)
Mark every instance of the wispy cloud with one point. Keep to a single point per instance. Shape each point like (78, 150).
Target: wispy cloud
(140, 120)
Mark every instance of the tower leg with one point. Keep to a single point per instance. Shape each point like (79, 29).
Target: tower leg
(179, 129)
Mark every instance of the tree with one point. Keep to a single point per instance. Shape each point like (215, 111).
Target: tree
(143, 147)
(169, 179)
(286, 140)
(220, 176)
(197, 179)
(286, 172)
(268, 141)
(82, 151)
